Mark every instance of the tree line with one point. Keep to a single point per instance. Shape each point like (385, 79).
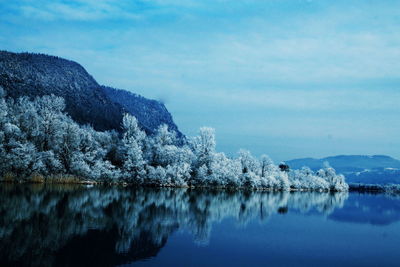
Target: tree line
(38, 139)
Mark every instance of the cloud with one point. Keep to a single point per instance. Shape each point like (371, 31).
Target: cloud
(75, 10)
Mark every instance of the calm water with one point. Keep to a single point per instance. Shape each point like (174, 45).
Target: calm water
(77, 226)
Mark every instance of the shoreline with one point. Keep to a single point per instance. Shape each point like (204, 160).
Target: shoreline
(73, 180)
(374, 188)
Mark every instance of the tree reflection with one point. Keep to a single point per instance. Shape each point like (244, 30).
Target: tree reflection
(43, 225)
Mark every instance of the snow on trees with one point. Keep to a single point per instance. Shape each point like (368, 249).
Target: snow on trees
(204, 150)
(38, 137)
(132, 147)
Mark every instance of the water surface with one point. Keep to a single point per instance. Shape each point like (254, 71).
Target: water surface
(42, 225)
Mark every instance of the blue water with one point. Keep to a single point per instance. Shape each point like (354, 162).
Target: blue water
(110, 226)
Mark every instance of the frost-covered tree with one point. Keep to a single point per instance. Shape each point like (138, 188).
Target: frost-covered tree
(269, 172)
(204, 150)
(3, 121)
(50, 111)
(163, 147)
(38, 138)
(249, 163)
(168, 162)
(336, 182)
(68, 147)
(283, 180)
(132, 146)
(224, 171)
(307, 179)
(250, 169)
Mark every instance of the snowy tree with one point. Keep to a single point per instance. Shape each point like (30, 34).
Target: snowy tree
(23, 160)
(269, 173)
(163, 147)
(50, 110)
(308, 180)
(204, 150)
(155, 175)
(266, 164)
(3, 108)
(336, 182)
(178, 174)
(225, 171)
(68, 146)
(250, 169)
(132, 146)
(162, 151)
(38, 137)
(2, 93)
(283, 181)
(51, 163)
(249, 163)
(3, 121)
(132, 130)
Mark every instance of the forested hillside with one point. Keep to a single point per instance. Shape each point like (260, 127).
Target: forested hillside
(27, 74)
(150, 113)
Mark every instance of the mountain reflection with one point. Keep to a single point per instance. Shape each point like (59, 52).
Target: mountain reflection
(44, 225)
(375, 209)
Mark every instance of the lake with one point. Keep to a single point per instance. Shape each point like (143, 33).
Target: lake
(70, 225)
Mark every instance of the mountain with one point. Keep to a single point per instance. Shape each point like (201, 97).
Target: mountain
(357, 168)
(87, 102)
(347, 163)
(150, 113)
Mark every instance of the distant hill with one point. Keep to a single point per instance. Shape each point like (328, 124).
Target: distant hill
(357, 168)
(87, 102)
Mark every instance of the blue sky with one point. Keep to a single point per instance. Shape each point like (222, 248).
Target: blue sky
(288, 78)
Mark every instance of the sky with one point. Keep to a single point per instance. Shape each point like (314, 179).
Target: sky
(288, 78)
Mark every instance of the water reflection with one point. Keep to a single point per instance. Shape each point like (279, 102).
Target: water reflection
(71, 225)
(375, 209)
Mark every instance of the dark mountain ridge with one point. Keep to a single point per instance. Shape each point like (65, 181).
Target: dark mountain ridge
(87, 102)
(149, 112)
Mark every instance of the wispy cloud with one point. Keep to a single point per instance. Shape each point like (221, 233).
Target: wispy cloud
(78, 10)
